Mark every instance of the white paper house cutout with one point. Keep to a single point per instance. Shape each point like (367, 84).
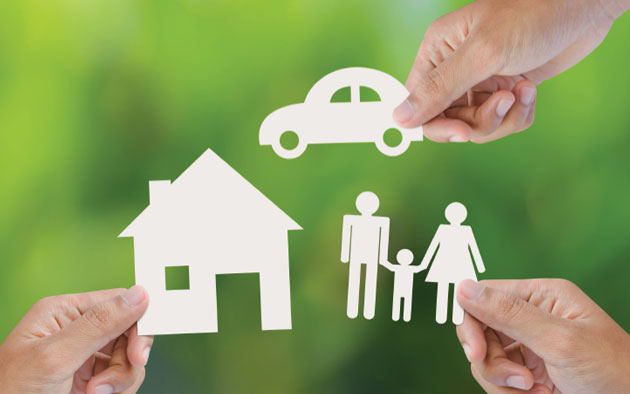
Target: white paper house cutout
(214, 221)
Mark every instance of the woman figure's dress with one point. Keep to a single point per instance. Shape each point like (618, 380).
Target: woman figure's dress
(453, 262)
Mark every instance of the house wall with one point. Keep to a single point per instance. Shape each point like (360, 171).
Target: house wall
(275, 291)
(174, 311)
(208, 251)
(263, 251)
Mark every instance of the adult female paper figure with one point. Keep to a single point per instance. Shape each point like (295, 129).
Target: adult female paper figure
(453, 262)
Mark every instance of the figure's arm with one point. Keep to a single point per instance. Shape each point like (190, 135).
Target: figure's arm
(345, 239)
(384, 245)
(475, 252)
(416, 268)
(435, 242)
(388, 265)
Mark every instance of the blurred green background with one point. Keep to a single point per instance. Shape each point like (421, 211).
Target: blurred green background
(98, 97)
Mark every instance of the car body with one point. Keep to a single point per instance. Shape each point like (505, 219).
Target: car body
(320, 121)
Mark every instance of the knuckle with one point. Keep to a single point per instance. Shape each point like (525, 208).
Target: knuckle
(490, 49)
(561, 284)
(433, 85)
(508, 306)
(435, 26)
(45, 303)
(51, 302)
(99, 316)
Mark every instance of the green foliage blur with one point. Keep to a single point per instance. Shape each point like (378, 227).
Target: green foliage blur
(98, 97)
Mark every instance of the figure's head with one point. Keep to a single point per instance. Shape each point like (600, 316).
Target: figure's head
(367, 203)
(455, 213)
(404, 257)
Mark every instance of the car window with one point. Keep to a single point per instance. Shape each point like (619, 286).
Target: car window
(341, 96)
(369, 94)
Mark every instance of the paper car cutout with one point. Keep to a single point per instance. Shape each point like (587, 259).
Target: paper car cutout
(320, 121)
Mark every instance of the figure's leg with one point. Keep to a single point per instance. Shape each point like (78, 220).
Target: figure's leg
(354, 285)
(369, 302)
(458, 311)
(407, 313)
(396, 308)
(442, 302)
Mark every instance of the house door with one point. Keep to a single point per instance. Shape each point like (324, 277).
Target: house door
(238, 302)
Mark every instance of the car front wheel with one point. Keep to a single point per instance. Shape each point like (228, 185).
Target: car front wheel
(289, 145)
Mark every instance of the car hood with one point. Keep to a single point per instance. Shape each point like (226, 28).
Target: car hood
(280, 120)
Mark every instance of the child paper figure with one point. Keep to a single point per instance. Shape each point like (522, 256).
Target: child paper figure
(453, 263)
(403, 282)
(365, 241)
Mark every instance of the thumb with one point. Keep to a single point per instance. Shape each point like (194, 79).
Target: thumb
(434, 88)
(513, 316)
(101, 324)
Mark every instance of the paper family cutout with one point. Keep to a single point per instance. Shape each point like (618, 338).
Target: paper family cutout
(320, 121)
(365, 240)
(214, 221)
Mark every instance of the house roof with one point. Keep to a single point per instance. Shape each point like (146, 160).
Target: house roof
(211, 190)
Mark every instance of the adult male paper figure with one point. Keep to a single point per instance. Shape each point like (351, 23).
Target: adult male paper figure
(365, 241)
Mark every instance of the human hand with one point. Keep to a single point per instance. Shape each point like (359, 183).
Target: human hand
(78, 343)
(475, 74)
(541, 336)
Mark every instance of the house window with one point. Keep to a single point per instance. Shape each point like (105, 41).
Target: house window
(177, 278)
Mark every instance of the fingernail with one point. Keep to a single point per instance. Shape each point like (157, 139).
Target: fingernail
(518, 382)
(457, 138)
(504, 106)
(134, 296)
(466, 350)
(527, 95)
(404, 112)
(471, 289)
(104, 389)
(145, 354)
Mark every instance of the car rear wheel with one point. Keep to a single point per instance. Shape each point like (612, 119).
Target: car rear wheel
(289, 145)
(393, 142)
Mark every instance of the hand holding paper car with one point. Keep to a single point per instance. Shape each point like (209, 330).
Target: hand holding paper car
(476, 71)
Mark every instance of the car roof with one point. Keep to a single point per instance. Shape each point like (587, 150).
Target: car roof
(387, 87)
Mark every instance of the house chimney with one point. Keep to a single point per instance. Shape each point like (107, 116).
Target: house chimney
(158, 190)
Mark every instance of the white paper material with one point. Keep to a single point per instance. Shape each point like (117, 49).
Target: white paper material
(214, 221)
(320, 121)
(403, 283)
(455, 254)
(365, 242)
